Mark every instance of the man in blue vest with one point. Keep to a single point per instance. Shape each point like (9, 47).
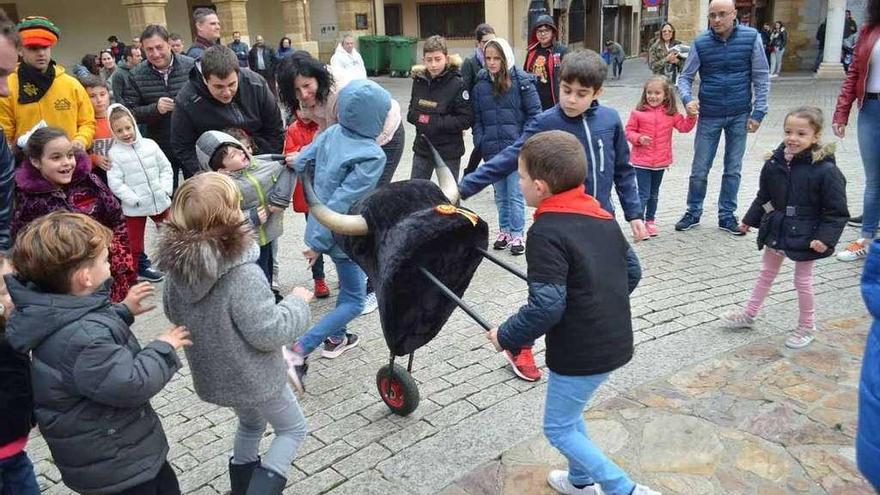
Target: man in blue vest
(735, 80)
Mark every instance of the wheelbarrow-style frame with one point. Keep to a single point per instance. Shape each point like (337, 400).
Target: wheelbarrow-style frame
(397, 387)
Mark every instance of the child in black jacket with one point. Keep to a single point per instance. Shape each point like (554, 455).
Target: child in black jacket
(579, 297)
(16, 407)
(440, 109)
(800, 211)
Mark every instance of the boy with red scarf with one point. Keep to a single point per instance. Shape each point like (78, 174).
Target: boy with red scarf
(579, 298)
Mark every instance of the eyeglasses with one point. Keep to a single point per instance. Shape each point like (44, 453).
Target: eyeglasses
(720, 15)
(543, 30)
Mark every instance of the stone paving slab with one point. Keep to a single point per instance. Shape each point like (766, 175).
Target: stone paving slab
(760, 419)
(473, 409)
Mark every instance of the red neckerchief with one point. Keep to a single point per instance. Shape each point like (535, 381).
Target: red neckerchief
(573, 201)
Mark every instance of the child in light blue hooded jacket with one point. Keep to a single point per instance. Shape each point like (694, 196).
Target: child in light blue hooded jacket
(346, 164)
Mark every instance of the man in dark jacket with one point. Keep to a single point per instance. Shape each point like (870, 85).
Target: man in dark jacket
(261, 60)
(207, 32)
(93, 381)
(221, 96)
(152, 87)
(120, 76)
(544, 59)
(240, 48)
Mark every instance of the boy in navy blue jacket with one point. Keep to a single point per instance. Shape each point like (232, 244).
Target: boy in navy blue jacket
(579, 298)
(601, 134)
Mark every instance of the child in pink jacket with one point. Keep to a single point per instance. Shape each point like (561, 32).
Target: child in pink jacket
(649, 130)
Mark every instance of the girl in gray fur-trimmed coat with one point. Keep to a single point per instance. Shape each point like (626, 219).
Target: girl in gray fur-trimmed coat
(209, 254)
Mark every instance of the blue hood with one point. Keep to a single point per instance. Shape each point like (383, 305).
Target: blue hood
(363, 106)
(871, 280)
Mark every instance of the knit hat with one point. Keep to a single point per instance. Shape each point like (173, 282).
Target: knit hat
(209, 143)
(38, 31)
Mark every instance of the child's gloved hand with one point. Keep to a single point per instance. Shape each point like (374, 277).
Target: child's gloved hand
(492, 335)
(135, 298)
(645, 140)
(303, 293)
(818, 246)
(176, 337)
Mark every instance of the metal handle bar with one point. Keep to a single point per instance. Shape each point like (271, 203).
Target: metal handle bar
(457, 300)
(503, 264)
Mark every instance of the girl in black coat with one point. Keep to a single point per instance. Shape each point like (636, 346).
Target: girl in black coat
(800, 211)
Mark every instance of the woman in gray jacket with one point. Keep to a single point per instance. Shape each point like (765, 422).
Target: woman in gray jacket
(216, 289)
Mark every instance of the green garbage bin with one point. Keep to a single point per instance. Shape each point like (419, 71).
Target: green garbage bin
(403, 55)
(369, 49)
(383, 48)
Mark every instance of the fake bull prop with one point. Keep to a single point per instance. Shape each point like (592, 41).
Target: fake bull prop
(420, 250)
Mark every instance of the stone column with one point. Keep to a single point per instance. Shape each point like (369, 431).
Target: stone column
(688, 17)
(297, 25)
(498, 16)
(831, 68)
(379, 9)
(233, 17)
(142, 13)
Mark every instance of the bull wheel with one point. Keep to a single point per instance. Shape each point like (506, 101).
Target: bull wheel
(398, 389)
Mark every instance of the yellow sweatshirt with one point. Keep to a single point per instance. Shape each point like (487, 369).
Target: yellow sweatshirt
(66, 105)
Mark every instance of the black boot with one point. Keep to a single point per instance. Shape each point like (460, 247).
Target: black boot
(265, 482)
(240, 476)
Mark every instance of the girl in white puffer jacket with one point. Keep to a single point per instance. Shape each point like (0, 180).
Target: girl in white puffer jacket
(140, 176)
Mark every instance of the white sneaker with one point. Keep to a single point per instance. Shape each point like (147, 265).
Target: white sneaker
(737, 319)
(644, 490)
(370, 304)
(800, 338)
(856, 250)
(558, 480)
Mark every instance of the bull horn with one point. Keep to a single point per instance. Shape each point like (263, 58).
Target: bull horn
(353, 225)
(448, 183)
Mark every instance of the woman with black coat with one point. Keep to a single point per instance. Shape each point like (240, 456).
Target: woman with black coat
(800, 211)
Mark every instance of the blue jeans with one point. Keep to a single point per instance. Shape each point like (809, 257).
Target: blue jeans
(17, 476)
(265, 261)
(565, 429)
(869, 146)
(349, 303)
(511, 205)
(705, 146)
(649, 190)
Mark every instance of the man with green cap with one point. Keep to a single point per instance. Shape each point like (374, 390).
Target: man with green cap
(41, 91)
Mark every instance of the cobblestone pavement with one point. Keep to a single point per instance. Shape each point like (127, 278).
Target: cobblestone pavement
(758, 419)
(472, 408)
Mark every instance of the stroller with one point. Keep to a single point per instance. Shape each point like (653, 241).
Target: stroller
(421, 251)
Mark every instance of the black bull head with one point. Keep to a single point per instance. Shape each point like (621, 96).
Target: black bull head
(397, 229)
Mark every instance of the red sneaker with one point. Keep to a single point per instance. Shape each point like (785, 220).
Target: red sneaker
(321, 289)
(524, 364)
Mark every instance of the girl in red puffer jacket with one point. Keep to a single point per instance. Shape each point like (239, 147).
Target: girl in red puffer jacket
(649, 131)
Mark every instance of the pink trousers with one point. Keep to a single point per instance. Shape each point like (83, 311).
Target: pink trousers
(803, 282)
